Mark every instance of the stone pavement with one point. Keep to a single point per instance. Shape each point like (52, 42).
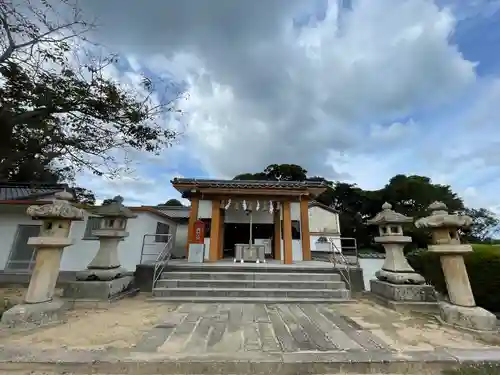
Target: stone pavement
(270, 338)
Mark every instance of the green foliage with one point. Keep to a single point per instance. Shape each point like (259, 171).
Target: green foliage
(478, 369)
(485, 225)
(173, 202)
(483, 267)
(276, 172)
(58, 104)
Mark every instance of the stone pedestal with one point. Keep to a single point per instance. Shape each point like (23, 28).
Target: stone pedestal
(99, 290)
(398, 286)
(29, 315)
(39, 305)
(405, 297)
(461, 311)
(105, 279)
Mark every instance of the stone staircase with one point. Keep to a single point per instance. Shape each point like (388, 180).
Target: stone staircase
(250, 284)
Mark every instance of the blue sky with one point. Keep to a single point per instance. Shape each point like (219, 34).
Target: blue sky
(379, 88)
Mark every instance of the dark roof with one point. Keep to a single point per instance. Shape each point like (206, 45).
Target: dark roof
(323, 206)
(26, 191)
(248, 184)
(174, 211)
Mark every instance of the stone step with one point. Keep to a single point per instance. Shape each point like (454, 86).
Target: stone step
(282, 276)
(326, 268)
(251, 292)
(262, 284)
(268, 300)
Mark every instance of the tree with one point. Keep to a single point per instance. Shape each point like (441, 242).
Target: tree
(412, 195)
(485, 224)
(276, 172)
(84, 196)
(55, 108)
(173, 203)
(285, 172)
(252, 176)
(38, 170)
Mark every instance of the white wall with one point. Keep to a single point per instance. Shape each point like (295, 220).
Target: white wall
(205, 209)
(321, 220)
(79, 255)
(370, 266)
(295, 210)
(314, 246)
(180, 243)
(258, 217)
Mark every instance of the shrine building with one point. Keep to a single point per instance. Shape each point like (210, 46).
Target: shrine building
(270, 214)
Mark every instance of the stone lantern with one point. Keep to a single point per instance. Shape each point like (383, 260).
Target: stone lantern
(39, 307)
(397, 283)
(462, 310)
(104, 277)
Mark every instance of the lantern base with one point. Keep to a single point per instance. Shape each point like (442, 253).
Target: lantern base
(475, 318)
(101, 274)
(29, 315)
(402, 277)
(97, 290)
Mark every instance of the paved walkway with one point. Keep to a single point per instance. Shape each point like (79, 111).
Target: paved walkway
(290, 328)
(229, 328)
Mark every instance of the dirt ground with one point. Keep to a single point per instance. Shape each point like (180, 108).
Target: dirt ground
(407, 332)
(120, 325)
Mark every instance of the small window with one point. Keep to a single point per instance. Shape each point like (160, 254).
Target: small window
(162, 228)
(208, 227)
(93, 223)
(295, 230)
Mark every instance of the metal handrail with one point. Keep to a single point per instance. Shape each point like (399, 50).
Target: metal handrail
(334, 251)
(155, 243)
(162, 258)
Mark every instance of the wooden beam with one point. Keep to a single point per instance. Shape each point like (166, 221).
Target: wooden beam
(253, 198)
(253, 192)
(193, 217)
(277, 235)
(304, 230)
(287, 234)
(213, 254)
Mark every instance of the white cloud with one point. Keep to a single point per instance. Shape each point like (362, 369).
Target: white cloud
(342, 101)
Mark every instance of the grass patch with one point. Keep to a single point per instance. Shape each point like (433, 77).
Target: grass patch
(475, 370)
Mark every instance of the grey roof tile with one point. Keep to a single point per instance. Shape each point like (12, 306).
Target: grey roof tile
(249, 184)
(19, 191)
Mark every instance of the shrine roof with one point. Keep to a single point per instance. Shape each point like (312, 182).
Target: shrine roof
(187, 184)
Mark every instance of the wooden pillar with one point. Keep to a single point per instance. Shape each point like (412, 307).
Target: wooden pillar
(213, 254)
(287, 233)
(277, 234)
(193, 217)
(304, 229)
(221, 234)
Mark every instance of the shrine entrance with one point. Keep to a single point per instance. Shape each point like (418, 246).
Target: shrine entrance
(235, 233)
(258, 216)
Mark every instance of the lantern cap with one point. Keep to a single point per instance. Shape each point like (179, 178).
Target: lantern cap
(440, 218)
(59, 208)
(389, 216)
